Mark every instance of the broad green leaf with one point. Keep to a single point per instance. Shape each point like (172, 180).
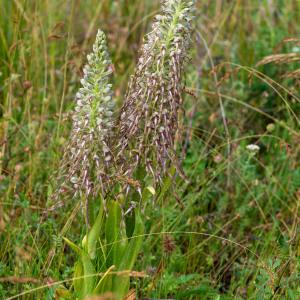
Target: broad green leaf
(112, 231)
(121, 283)
(78, 283)
(94, 234)
(88, 269)
(89, 273)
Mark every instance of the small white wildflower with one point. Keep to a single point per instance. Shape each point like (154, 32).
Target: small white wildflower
(74, 179)
(252, 148)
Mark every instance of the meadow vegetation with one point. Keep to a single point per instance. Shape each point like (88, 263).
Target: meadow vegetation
(227, 227)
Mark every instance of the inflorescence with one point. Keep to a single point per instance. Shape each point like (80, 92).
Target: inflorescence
(149, 117)
(146, 128)
(87, 161)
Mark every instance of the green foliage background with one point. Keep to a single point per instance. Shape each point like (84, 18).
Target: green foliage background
(231, 230)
